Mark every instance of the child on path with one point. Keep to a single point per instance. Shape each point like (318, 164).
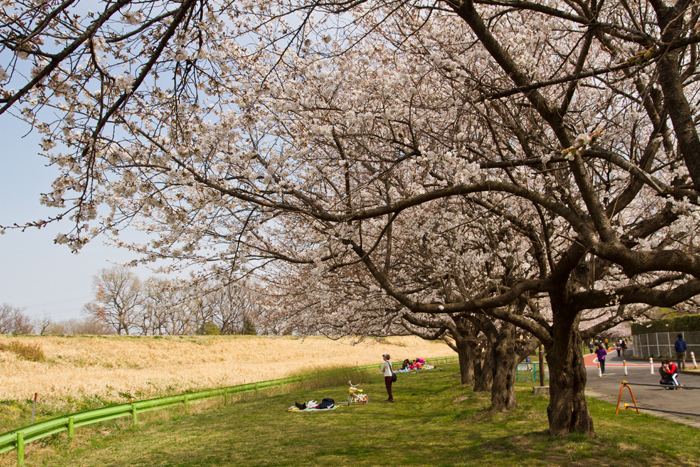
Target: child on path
(669, 373)
(601, 353)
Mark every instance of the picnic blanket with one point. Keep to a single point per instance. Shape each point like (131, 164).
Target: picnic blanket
(297, 409)
(425, 367)
(313, 406)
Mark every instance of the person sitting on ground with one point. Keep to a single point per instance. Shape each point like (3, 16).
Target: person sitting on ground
(416, 366)
(669, 373)
(420, 360)
(406, 365)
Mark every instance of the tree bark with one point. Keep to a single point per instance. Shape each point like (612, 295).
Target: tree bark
(672, 24)
(567, 411)
(504, 361)
(483, 374)
(466, 361)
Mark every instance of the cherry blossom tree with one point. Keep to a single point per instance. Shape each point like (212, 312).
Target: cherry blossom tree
(542, 153)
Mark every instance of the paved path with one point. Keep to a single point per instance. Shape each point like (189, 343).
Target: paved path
(607, 388)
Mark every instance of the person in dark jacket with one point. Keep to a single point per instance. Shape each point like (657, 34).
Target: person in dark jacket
(681, 347)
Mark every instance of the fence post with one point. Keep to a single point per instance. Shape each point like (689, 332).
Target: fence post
(695, 364)
(71, 428)
(186, 401)
(34, 408)
(225, 397)
(624, 365)
(651, 366)
(257, 385)
(20, 449)
(134, 416)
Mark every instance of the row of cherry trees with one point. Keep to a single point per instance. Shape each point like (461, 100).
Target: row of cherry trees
(385, 165)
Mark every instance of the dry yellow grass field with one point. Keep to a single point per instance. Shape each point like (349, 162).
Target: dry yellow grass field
(115, 367)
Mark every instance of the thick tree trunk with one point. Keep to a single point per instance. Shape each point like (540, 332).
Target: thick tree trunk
(483, 373)
(567, 411)
(466, 361)
(503, 388)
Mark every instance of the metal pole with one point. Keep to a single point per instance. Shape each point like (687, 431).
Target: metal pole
(33, 408)
(541, 366)
(71, 428)
(661, 385)
(20, 449)
(627, 406)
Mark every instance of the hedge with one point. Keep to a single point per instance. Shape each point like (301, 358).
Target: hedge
(679, 324)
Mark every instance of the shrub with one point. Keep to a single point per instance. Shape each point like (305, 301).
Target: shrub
(680, 324)
(209, 329)
(32, 353)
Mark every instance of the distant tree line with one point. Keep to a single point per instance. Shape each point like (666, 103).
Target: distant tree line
(124, 304)
(14, 321)
(160, 306)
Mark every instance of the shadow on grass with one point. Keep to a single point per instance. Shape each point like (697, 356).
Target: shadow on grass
(435, 422)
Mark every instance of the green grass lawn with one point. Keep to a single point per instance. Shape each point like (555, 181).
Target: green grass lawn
(434, 422)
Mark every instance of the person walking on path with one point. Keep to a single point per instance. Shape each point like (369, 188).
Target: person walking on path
(623, 346)
(601, 353)
(681, 347)
(388, 374)
(591, 345)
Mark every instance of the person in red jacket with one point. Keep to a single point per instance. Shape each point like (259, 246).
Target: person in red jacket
(669, 373)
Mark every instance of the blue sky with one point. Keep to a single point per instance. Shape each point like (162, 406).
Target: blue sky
(35, 274)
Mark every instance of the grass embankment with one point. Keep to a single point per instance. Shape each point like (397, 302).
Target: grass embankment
(76, 373)
(434, 421)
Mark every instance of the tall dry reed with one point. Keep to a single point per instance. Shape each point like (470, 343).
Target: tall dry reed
(114, 368)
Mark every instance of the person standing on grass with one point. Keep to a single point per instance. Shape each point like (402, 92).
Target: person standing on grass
(601, 353)
(681, 347)
(388, 374)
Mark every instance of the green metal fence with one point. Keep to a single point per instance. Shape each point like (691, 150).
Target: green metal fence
(530, 372)
(16, 439)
